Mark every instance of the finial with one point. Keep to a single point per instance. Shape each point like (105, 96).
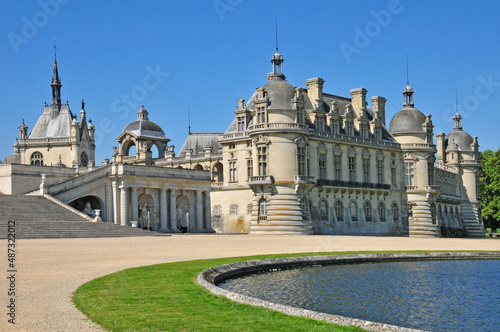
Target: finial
(407, 71)
(55, 48)
(456, 97)
(189, 119)
(83, 104)
(23, 122)
(276, 27)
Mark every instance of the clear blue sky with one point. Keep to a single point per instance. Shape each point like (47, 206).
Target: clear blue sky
(210, 53)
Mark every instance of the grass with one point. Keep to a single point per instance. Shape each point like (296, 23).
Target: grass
(165, 297)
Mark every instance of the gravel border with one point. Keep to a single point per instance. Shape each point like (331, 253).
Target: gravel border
(213, 276)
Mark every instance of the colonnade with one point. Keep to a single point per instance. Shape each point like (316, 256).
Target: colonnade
(125, 200)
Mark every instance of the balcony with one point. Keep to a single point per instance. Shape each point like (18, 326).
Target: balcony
(261, 179)
(304, 179)
(411, 188)
(352, 184)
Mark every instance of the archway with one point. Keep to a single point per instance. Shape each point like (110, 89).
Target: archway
(88, 205)
(217, 173)
(198, 167)
(185, 222)
(146, 211)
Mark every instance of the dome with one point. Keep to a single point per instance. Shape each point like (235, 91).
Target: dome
(408, 120)
(144, 128)
(460, 138)
(280, 93)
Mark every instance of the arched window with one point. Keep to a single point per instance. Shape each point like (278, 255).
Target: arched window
(367, 208)
(339, 210)
(84, 159)
(395, 211)
(37, 159)
(381, 211)
(323, 210)
(354, 210)
(198, 167)
(262, 210)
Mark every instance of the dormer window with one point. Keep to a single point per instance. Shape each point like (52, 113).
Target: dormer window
(261, 115)
(241, 123)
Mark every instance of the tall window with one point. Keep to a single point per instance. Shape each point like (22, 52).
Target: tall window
(300, 115)
(217, 210)
(430, 173)
(349, 129)
(262, 210)
(261, 114)
(378, 133)
(262, 159)
(352, 168)
(37, 159)
(339, 210)
(232, 171)
(241, 123)
(364, 130)
(322, 165)
(337, 167)
(249, 168)
(395, 211)
(380, 170)
(409, 173)
(233, 209)
(335, 127)
(301, 159)
(393, 173)
(381, 211)
(353, 208)
(320, 124)
(366, 170)
(367, 209)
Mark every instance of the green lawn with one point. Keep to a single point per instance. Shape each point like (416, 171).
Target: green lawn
(165, 297)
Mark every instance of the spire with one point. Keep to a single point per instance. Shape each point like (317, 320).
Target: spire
(189, 119)
(56, 81)
(408, 91)
(276, 27)
(457, 118)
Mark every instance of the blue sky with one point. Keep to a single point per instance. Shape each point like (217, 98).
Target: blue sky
(118, 55)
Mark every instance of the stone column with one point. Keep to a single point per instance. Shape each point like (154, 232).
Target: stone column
(116, 214)
(173, 211)
(208, 213)
(123, 205)
(199, 212)
(134, 205)
(163, 210)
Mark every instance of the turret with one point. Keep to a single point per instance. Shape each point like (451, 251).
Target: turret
(23, 131)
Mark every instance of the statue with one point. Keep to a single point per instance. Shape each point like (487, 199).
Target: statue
(143, 216)
(88, 210)
(115, 151)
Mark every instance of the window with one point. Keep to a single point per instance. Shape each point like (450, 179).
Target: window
(378, 133)
(339, 210)
(37, 159)
(337, 167)
(353, 208)
(217, 209)
(232, 146)
(335, 127)
(409, 173)
(84, 159)
(249, 168)
(232, 171)
(323, 210)
(395, 212)
(366, 170)
(380, 170)
(320, 124)
(349, 130)
(262, 210)
(300, 115)
(262, 159)
(241, 123)
(322, 165)
(352, 168)
(233, 209)
(430, 173)
(381, 211)
(261, 114)
(364, 130)
(301, 159)
(393, 173)
(249, 208)
(367, 209)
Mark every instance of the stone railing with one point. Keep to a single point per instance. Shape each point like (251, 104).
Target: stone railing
(304, 179)
(217, 184)
(410, 146)
(234, 135)
(447, 168)
(261, 179)
(433, 188)
(354, 139)
(352, 184)
(411, 188)
(278, 125)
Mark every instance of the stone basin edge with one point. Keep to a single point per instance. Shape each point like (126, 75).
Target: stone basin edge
(209, 279)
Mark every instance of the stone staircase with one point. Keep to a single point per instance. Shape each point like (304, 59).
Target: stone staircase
(39, 218)
(474, 228)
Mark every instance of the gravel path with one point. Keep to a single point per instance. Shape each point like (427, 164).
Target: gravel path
(50, 270)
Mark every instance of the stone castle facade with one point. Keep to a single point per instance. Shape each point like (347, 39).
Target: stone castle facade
(293, 161)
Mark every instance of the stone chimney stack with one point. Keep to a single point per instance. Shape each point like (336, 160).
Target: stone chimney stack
(441, 159)
(315, 89)
(358, 99)
(378, 104)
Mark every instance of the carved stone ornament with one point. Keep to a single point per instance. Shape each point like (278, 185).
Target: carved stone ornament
(261, 140)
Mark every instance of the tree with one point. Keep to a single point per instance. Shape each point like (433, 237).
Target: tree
(490, 188)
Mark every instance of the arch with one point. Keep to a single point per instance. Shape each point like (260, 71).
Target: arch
(198, 167)
(262, 210)
(180, 167)
(339, 210)
(146, 205)
(184, 221)
(218, 172)
(88, 205)
(395, 211)
(381, 211)
(433, 213)
(353, 209)
(37, 158)
(367, 209)
(129, 146)
(323, 209)
(155, 153)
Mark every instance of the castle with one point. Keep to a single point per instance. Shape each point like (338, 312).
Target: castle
(293, 161)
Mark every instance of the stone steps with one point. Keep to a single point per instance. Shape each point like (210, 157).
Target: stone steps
(37, 217)
(423, 229)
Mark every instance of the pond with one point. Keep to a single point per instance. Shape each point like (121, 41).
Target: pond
(433, 295)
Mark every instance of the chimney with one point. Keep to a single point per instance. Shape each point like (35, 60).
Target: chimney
(378, 104)
(315, 89)
(241, 104)
(440, 147)
(358, 99)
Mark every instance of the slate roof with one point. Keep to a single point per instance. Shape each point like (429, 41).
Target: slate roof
(48, 126)
(199, 141)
